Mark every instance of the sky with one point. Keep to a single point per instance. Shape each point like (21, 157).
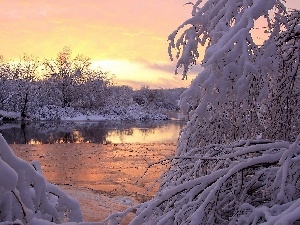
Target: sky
(126, 38)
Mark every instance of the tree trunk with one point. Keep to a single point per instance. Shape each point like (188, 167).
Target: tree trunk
(23, 112)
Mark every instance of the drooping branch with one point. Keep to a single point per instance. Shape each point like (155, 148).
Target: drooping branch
(33, 195)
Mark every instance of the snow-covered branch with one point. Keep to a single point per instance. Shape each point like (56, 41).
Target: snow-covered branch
(251, 183)
(25, 194)
(230, 98)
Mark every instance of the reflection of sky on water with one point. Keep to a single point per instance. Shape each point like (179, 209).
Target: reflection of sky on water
(112, 168)
(167, 133)
(91, 132)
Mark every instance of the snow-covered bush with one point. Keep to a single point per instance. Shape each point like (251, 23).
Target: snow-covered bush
(157, 98)
(133, 112)
(26, 196)
(53, 112)
(248, 182)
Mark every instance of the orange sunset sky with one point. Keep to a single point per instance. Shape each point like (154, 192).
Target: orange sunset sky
(127, 38)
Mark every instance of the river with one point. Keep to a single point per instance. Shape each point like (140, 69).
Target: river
(100, 132)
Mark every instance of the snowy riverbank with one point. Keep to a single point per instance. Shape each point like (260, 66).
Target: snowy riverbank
(52, 112)
(96, 207)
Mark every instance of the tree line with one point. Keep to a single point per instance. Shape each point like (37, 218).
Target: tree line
(66, 81)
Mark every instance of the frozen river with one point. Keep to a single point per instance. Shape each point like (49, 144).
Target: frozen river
(102, 132)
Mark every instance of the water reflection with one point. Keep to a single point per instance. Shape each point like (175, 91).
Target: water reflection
(90, 132)
(112, 169)
(167, 133)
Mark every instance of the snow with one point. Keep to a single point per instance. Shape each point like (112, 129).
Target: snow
(53, 112)
(96, 207)
(25, 194)
(9, 115)
(207, 191)
(245, 182)
(204, 185)
(7, 171)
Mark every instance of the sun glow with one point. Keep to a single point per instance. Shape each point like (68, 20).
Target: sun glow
(120, 35)
(142, 73)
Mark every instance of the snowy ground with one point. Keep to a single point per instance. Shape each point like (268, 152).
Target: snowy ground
(96, 207)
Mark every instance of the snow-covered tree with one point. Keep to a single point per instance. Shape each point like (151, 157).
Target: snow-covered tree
(119, 96)
(19, 83)
(222, 100)
(281, 109)
(27, 82)
(92, 89)
(4, 82)
(249, 181)
(73, 83)
(62, 76)
(157, 98)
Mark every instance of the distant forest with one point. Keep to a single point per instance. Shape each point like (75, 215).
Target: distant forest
(29, 85)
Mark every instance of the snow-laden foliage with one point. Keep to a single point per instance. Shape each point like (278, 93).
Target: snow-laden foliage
(281, 109)
(130, 112)
(72, 83)
(26, 195)
(157, 98)
(30, 87)
(243, 91)
(222, 102)
(251, 181)
(68, 87)
(248, 182)
(18, 84)
(65, 81)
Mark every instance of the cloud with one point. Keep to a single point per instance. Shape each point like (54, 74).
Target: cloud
(169, 67)
(170, 82)
(137, 74)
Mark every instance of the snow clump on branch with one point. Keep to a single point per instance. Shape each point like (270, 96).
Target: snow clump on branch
(248, 182)
(26, 196)
(224, 102)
